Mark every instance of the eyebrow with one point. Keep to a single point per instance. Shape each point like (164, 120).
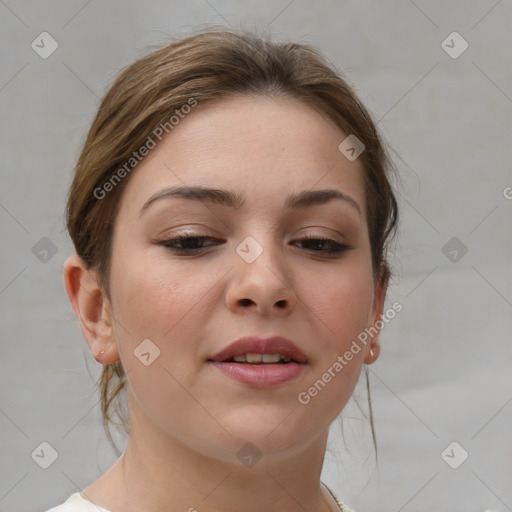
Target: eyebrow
(235, 200)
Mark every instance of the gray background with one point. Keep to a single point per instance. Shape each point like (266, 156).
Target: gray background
(444, 371)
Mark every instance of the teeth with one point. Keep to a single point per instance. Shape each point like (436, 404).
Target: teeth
(270, 358)
(254, 358)
(261, 358)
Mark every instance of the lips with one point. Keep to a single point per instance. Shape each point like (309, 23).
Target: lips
(255, 345)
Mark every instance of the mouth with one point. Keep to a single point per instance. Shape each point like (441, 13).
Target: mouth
(254, 350)
(261, 363)
(258, 359)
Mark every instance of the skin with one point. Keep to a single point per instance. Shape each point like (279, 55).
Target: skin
(188, 420)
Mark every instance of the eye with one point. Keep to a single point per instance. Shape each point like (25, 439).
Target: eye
(318, 243)
(186, 243)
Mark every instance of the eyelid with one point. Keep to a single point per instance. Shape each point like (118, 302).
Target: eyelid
(311, 231)
(203, 231)
(189, 230)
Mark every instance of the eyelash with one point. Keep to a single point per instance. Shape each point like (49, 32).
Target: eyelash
(171, 244)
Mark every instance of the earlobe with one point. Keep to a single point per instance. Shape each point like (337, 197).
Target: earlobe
(92, 309)
(373, 353)
(373, 349)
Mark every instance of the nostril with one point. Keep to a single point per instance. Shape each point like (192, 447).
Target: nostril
(246, 302)
(281, 303)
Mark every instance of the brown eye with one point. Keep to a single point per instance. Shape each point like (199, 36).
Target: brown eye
(182, 243)
(318, 244)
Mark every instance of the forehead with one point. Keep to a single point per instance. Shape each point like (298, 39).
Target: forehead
(263, 147)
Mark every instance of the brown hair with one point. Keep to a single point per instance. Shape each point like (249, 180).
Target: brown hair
(207, 66)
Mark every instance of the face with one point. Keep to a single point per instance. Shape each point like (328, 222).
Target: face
(192, 298)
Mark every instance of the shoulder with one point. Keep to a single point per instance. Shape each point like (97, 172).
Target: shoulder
(75, 503)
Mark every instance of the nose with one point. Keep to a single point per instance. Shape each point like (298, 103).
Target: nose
(263, 285)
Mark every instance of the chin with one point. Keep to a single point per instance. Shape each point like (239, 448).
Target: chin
(271, 437)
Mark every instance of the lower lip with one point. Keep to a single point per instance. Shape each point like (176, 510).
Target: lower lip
(264, 375)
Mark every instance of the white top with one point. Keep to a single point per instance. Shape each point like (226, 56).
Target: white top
(76, 503)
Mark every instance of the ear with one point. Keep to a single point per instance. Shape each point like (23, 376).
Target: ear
(92, 309)
(373, 350)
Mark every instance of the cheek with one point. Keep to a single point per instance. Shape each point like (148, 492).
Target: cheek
(165, 302)
(343, 303)
(149, 294)
(342, 310)
(152, 301)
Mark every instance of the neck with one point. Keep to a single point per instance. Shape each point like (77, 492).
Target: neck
(157, 473)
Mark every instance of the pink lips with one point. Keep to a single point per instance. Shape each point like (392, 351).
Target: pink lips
(273, 345)
(261, 375)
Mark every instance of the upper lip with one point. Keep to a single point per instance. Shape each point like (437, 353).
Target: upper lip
(255, 345)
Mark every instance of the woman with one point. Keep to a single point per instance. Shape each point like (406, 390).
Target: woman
(230, 211)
